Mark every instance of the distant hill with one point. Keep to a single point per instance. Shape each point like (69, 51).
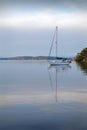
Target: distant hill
(21, 58)
(33, 58)
(4, 58)
(82, 56)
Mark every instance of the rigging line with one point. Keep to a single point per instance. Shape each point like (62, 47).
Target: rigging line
(52, 44)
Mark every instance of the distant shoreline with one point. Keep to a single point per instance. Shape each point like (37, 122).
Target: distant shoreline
(34, 58)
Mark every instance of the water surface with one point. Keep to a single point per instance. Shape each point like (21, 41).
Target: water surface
(36, 96)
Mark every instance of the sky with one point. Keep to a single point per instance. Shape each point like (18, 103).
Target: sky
(27, 27)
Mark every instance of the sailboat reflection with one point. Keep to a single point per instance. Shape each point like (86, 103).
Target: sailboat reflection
(53, 77)
(61, 68)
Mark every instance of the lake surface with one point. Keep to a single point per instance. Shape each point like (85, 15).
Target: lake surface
(36, 96)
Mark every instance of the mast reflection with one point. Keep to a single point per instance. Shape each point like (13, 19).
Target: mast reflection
(53, 77)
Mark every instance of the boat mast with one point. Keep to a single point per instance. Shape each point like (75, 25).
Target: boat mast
(56, 39)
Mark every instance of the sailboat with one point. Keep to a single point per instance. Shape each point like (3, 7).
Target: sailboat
(57, 62)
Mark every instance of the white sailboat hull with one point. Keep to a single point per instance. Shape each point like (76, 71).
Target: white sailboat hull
(59, 63)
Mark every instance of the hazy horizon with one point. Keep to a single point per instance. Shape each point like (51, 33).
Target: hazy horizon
(27, 27)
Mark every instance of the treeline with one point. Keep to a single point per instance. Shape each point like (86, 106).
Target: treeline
(82, 56)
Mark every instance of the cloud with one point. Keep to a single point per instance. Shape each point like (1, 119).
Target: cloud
(74, 4)
(41, 15)
(45, 19)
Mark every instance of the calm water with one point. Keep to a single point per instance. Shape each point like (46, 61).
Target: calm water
(35, 96)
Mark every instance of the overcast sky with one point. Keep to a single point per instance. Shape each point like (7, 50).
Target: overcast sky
(27, 26)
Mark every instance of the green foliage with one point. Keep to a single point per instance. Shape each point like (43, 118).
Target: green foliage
(82, 56)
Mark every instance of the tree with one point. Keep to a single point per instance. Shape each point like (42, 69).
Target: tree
(82, 56)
